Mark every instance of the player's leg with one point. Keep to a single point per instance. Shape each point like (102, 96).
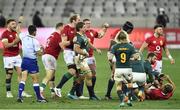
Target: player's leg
(52, 86)
(110, 82)
(22, 86)
(17, 64)
(92, 66)
(35, 80)
(49, 63)
(8, 65)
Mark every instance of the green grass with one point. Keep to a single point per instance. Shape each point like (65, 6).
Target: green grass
(103, 74)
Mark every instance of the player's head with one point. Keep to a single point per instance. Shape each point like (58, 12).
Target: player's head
(128, 27)
(32, 30)
(11, 24)
(75, 19)
(167, 88)
(152, 57)
(80, 27)
(122, 37)
(87, 23)
(59, 26)
(158, 29)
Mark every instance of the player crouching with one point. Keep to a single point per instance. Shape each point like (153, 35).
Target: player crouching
(30, 48)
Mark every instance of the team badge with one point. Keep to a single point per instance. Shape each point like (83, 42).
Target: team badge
(154, 42)
(91, 34)
(161, 42)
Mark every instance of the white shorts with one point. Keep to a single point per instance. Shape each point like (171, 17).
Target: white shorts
(49, 62)
(11, 62)
(123, 74)
(158, 66)
(139, 77)
(81, 62)
(91, 60)
(69, 57)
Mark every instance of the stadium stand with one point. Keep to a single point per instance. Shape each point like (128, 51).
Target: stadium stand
(98, 10)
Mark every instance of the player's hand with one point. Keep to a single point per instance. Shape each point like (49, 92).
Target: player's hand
(98, 51)
(86, 54)
(21, 19)
(172, 61)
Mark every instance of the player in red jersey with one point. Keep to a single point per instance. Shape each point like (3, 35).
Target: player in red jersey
(68, 34)
(11, 57)
(164, 92)
(91, 34)
(127, 28)
(157, 43)
(51, 53)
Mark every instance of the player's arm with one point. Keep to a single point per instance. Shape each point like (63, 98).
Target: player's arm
(103, 30)
(38, 48)
(169, 55)
(64, 42)
(94, 48)
(170, 81)
(144, 45)
(80, 51)
(18, 29)
(6, 44)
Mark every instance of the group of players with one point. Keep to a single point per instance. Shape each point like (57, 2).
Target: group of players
(129, 70)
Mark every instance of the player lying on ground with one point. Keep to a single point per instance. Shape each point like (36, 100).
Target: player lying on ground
(30, 49)
(163, 91)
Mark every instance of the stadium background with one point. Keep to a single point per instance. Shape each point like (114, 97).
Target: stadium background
(141, 12)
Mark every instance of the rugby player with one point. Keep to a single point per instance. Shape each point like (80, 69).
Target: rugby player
(30, 49)
(68, 34)
(122, 51)
(49, 59)
(127, 28)
(11, 57)
(157, 43)
(81, 46)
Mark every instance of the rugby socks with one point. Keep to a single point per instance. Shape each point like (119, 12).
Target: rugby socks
(81, 87)
(91, 91)
(93, 81)
(120, 95)
(21, 88)
(43, 86)
(8, 84)
(73, 89)
(110, 86)
(64, 79)
(37, 91)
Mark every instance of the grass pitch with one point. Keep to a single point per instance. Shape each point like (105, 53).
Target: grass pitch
(103, 74)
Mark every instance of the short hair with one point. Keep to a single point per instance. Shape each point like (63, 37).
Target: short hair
(128, 27)
(10, 20)
(32, 29)
(74, 17)
(84, 20)
(59, 25)
(122, 36)
(168, 88)
(79, 25)
(151, 55)
(158, 25)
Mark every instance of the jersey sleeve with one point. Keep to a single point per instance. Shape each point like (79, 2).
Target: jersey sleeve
(65, 31)
(95, 33)
(4, 37)
(148, 40)
(165, 43)
(113, 49)
(21, 35)
(37, 46)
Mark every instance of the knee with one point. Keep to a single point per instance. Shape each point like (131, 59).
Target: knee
(9, 73)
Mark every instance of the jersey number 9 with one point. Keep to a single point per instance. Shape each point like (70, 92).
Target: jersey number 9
(123, 57)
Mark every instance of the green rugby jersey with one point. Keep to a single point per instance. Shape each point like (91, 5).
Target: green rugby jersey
(82, 40)
(123, 52)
